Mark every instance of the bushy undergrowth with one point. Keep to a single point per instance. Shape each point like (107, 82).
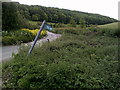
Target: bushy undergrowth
(16, 37)
(19, 36)
(32, 24)
(34, 32)
(79, 59)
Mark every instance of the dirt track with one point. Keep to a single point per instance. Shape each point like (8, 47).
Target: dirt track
(8, 50)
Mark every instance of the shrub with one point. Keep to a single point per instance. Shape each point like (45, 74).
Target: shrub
(6, 40)
(34, 32)
(20, 36)
(73, 61)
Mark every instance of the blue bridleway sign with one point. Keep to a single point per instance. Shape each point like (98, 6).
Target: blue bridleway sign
(47, 27)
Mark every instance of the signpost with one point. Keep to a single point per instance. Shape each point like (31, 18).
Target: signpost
(35, 40)
(43, 26)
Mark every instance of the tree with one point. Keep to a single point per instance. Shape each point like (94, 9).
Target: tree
(10, 19)
(72, 22)
(45, 17)
(35, 17)
(14, 15)
(55, 18)
(82, 23)
(68, 18)
(61, 17)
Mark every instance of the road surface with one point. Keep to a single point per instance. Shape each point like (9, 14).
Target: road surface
(8, 50)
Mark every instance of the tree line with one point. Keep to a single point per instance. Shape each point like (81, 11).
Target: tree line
(15, 14)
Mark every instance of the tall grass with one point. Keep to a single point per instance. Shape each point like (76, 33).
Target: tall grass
(79, 59)
(110, 26)
(111, 29)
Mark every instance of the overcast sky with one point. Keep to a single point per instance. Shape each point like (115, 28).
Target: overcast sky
(103, 7)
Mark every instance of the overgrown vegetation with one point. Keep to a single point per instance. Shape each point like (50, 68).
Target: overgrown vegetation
(81, 58)
(20, 36)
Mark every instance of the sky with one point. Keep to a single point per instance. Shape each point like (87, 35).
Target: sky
(103, 7)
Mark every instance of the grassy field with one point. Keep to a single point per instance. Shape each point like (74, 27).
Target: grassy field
(111, 29)
(81, 58)
(110, 26)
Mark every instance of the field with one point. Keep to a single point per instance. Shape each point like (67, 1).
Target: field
(110, 26)
(111, 29)
(81, 58)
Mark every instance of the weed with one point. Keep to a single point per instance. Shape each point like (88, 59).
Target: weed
(76, 60)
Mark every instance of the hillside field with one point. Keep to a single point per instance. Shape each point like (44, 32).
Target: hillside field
(110, 26)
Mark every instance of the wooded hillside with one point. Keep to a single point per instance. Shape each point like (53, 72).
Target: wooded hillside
(18, 13)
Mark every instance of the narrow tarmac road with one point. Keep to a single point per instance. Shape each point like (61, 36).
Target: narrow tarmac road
(8, 50)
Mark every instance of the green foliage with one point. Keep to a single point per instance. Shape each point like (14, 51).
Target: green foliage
(110, 26)
(82, 23)
(73, 23)
(16, 16)
(10, 19)
(34, 17)
(79, 59)
(111, 29)
(16, 37)
(32, 24)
